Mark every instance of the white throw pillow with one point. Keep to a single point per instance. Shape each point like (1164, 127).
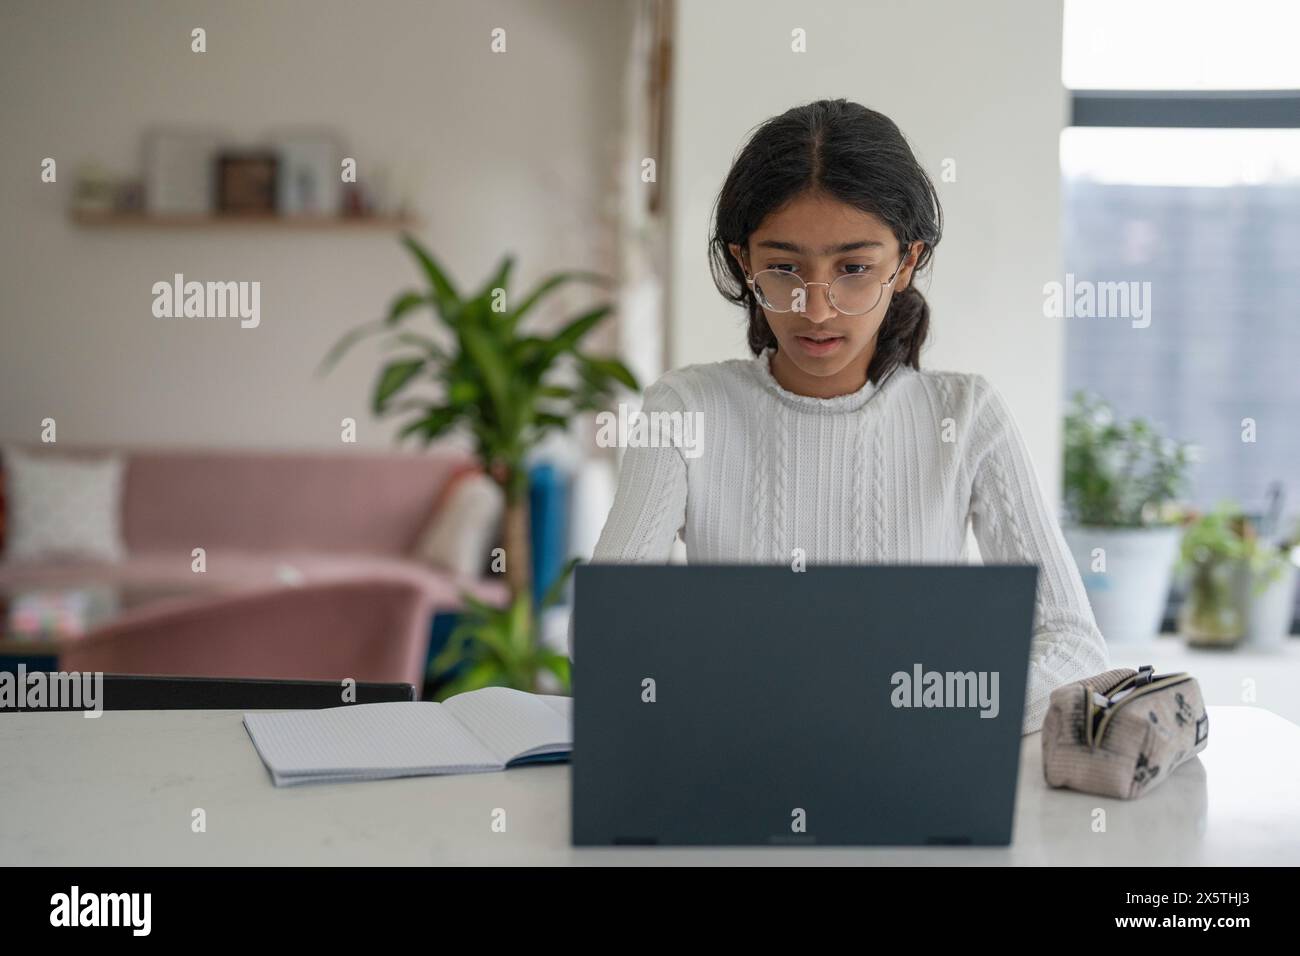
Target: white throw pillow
(60, 507)
(459, 537)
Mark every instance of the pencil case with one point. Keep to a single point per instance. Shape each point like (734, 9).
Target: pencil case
(1122, 732)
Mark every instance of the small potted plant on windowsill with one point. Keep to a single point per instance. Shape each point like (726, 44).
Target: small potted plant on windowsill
(1122, 484)
(1270, 590)
(1240, 587)
(1215, 553)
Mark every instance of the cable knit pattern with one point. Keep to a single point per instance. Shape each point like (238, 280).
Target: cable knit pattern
(657, 515)
(893, 473)
(757, 504)
(859, 503)
(778, 498)
(878, 494)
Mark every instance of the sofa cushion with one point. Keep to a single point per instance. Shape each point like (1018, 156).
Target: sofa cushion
(464, 529)
(62, 507)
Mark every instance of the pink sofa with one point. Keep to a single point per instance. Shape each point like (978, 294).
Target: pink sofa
(363, 630)
(270, 523)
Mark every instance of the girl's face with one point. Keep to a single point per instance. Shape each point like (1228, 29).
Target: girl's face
(822, 351)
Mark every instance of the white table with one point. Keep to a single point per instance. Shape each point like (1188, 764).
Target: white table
(121, 789)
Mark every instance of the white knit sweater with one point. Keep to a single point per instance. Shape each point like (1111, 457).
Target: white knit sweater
(888, 474)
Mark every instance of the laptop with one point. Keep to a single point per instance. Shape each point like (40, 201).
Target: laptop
(840, 705)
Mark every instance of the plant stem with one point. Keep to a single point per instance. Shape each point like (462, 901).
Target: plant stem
(516, 533)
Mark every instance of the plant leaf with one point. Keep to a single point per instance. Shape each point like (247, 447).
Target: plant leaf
(431, 425)
(500, 280)
(612, 368)
(567, 339)
(453, 652)
(430, 347)
(521, 627)
(483, 674)
(391, 380)
(445, 297)
(556, 590)
(403, 305)
(549, 285)
(550, 420)
(345, 343)
(559, 665)
(490, 365)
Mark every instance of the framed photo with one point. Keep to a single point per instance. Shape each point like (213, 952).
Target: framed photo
(309, 177)
(178, 171)
(247, 183)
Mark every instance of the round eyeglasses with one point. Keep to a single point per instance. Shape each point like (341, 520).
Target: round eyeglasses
(849, 294)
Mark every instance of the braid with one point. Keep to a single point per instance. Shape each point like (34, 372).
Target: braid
(902, 333)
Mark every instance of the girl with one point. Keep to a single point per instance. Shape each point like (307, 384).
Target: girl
(831, 439)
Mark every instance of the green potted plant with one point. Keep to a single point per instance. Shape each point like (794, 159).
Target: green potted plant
(1215, 553)
(507, 386)
(1122, 482)
(1240, 587)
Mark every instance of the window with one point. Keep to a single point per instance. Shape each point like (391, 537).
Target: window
(1181, 178)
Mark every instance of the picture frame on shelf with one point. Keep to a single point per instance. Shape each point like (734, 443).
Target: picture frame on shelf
(179, 171)
(247, 183)
(309, 180)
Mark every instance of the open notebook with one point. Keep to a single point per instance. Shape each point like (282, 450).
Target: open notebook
(488, 729)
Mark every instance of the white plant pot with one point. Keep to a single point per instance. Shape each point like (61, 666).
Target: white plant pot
(1126, 572)
(1268, 613)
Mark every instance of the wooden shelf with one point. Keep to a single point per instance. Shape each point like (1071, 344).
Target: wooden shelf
(117, 220)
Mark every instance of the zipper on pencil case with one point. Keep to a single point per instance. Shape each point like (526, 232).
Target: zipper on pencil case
(1143, 682)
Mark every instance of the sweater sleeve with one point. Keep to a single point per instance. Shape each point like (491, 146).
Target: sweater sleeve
(1013, 525)
(650, 503)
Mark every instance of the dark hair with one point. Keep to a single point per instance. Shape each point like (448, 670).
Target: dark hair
(852, 154)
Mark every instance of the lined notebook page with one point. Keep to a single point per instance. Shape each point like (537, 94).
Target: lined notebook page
(512, 723)
(366, 740)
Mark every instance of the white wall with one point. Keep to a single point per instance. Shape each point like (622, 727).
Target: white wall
(513, 151)
(975, 82)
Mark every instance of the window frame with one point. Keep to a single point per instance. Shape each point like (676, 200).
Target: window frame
(1187, 109)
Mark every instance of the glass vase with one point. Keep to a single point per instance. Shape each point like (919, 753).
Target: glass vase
(1213, 614)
